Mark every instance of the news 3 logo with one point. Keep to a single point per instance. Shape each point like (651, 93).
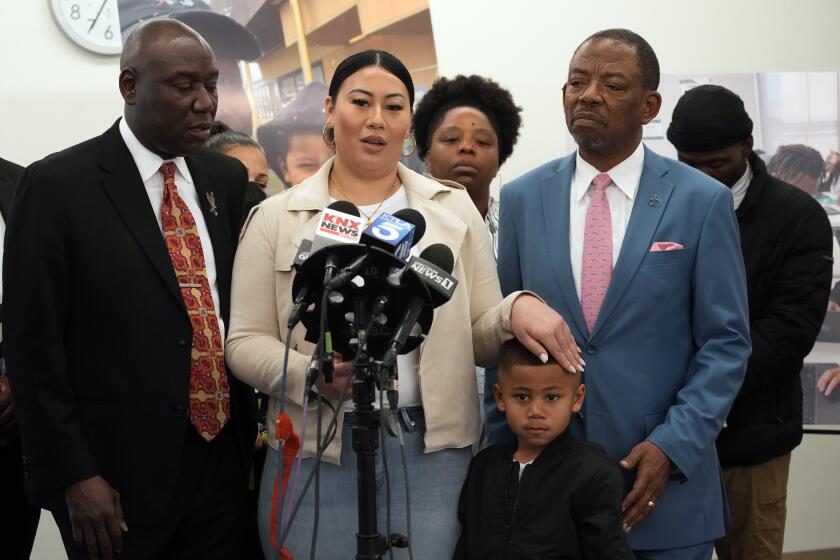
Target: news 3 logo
(395, 232)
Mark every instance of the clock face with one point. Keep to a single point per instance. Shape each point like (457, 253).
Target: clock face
(92, 24)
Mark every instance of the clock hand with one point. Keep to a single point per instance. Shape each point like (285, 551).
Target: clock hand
(99, 13)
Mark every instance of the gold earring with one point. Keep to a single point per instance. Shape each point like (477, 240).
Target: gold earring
(413, 146)
(328, 135)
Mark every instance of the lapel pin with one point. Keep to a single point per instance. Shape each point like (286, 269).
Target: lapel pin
(211, 199)
(654, 201)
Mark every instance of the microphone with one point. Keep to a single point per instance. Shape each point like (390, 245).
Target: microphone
(339, 225)
(429, 277)
(394, 234)
(340, 222)
(433, 269)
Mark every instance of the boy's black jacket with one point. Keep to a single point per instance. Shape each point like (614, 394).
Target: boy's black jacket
(567, 505)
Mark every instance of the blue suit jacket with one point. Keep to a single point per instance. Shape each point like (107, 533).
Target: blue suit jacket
(670, 346)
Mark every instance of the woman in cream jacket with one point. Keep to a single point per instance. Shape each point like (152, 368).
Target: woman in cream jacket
(368, 115)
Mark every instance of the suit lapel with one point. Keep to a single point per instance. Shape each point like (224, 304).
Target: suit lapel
(121, 182)
(556, 201)
(648, 208)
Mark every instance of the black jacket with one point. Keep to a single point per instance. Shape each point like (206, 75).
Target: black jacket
(566, 505)
(787, 243)
(97, 335)
(9, 175)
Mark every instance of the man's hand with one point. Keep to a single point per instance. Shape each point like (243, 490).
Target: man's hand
(96, 516)
(653, 469)
(341, 371)
(8, 418)
(543, 331)
(833, 305)
(829, 381)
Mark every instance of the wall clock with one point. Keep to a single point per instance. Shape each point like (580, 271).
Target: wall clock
(91, 24)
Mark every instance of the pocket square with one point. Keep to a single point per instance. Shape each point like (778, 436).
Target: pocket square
(665, 246)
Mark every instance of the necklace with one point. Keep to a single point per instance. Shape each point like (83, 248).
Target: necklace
(368, 217)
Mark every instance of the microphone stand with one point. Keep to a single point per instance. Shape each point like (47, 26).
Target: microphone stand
(370, 544)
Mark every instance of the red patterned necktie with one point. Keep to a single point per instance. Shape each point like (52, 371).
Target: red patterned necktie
(209, 390)
(597, 251)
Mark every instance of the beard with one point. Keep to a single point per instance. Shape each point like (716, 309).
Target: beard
(590, 142)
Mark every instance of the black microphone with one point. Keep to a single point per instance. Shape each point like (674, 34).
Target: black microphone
(339, 225)
(429, 277)
(395, 234)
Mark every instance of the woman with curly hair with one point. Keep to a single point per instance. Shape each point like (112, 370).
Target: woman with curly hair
(466, 128)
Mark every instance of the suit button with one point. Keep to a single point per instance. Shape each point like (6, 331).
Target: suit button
(180, 410)
(181, 343)
(590, 349)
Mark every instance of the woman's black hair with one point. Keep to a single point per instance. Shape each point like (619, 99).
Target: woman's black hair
(468, 91)
(223, 138)
(383, 59)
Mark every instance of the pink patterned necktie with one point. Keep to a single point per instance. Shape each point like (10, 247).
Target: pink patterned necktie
(597, 251)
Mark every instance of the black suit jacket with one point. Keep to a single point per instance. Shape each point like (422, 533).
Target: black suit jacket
(9, 175)
(98, 338)
(566, 505)
(787, 243)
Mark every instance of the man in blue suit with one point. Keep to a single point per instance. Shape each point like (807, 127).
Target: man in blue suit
(640, 254)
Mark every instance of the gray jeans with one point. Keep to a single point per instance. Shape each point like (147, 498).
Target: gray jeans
(435, 481)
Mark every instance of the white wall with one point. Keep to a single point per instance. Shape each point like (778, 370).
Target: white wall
(53, 94)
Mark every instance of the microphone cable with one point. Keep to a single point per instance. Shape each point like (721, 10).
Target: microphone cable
(407, 491)
(329, 436)
(387, 478)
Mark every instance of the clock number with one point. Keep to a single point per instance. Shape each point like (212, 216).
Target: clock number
(74, 12)
(109, 34)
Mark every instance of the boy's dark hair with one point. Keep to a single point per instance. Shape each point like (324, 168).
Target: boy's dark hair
(513, 353)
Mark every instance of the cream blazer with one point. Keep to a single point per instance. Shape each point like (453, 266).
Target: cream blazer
(466, 331)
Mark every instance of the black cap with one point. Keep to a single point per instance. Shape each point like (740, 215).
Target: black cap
(708, 118)
(303, 113)
(226, 36)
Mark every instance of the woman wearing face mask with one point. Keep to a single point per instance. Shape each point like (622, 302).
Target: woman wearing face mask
(244, 148)
(368, 116)
(466, 128)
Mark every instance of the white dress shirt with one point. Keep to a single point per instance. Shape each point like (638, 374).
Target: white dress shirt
(148, 165)
(626, 176)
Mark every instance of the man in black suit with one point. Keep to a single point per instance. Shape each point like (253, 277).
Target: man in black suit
(134, 434)
(18, 519)
(786, 242)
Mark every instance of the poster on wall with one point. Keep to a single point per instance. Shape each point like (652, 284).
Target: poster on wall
(272, 77)
(796, 120)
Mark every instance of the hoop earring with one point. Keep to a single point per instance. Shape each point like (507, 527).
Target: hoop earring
(413, 146)
(328, 135)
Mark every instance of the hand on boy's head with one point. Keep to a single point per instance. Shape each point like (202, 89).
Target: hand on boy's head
(653, 470)
(545, 333)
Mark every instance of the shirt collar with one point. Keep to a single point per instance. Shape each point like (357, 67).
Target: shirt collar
(739, 189)
(148, 162)
(626, 175)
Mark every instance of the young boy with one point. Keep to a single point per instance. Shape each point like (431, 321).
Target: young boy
(550, 495)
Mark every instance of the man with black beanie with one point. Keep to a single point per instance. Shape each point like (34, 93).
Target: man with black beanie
(787, 245)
